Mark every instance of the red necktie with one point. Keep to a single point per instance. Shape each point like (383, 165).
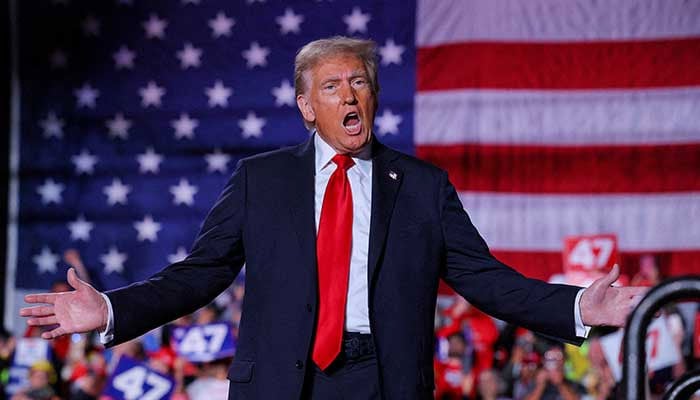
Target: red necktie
(333, 256)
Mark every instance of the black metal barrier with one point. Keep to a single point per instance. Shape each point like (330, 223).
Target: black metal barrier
(684, 387)
(634, 378)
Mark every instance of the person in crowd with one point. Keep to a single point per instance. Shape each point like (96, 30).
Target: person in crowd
(453, 379)
(7, 349)
(88, 375)
(550, 381)
(212, 382)
(648, 274)
(208, 314)
(41, 376)
(490, 385)
(523, 373)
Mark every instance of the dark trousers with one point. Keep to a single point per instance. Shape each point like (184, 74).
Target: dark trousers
(344, 380)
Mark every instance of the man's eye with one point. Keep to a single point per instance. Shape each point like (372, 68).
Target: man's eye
(359, 82)
(330, 86)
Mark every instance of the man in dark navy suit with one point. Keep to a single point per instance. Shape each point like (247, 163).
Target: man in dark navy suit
(345, 241)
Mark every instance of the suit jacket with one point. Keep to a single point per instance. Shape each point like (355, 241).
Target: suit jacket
(419, 233)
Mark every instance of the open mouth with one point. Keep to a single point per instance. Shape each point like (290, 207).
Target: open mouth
(352, 123)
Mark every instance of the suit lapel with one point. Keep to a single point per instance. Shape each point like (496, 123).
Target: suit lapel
(386, 180)
(300, 192)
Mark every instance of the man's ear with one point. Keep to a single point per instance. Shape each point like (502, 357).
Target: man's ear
(306, 110)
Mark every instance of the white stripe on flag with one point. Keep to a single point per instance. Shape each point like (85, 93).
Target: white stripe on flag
(450, 21)
(649, 116)
(540, 222)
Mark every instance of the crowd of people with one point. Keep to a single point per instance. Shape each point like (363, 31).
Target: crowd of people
(476, 356)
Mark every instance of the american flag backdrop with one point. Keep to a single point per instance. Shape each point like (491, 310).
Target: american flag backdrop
(552, 117)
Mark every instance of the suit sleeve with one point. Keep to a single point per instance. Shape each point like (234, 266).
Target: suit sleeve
(183, 287)
(496, 288)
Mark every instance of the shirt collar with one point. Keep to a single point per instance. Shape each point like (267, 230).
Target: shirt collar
(324, 154)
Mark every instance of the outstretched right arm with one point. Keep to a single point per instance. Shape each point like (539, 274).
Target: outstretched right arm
(213, 263)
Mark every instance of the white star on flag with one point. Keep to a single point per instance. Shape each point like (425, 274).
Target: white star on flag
(147, 229)
(124, 58)
(46, 260)
(290, 22)
(116, 192)
(221, 25)
(179, 255)
(151, 94)
(52, 126)
(155, 27)
(184, 126)
(218, 94)
(256, 55)
(391, 52)
(189, 56)
(80, 229)
(284, 94)
(84, 162)
(388, 122)
(50, 191)
(357, 21)
(119, 126)
(58, 59)
(113, 261)
(86, 96)
(149, 161)
(183, 192)
(91, 26)
(251, 125)
(217, 161)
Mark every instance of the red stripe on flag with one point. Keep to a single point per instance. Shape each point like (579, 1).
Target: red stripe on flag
(556, 169)
(570, 65)
(542, 265)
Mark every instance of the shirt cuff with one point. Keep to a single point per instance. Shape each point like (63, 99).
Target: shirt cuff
(582, 330)
(107, 335)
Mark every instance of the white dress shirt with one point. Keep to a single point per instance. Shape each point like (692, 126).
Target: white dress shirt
(360, 177)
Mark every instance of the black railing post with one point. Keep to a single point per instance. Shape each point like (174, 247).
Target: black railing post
(634, 380)
(684, 387)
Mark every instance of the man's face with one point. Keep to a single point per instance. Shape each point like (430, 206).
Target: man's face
(339, 99)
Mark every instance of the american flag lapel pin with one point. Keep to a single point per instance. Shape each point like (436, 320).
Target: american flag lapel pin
(393, 175)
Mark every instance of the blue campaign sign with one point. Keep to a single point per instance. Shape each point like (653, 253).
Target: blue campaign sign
(201, 343)
(133, 380)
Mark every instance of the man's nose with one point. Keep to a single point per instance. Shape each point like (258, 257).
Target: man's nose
(348, 95)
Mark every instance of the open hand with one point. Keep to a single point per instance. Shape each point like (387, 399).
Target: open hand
(81, 310)
(603, 304)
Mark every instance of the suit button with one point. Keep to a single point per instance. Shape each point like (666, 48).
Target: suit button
(299, 364)
(308, 307)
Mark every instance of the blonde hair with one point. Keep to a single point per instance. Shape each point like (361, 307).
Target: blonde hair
(314, 52)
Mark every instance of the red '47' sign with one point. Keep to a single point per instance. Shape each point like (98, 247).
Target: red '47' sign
(590, 254)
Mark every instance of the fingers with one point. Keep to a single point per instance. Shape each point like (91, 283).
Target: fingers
(612, 276)
(54, 333)
(40, 298)
(52, 320)
(38, 311)
(73, 279)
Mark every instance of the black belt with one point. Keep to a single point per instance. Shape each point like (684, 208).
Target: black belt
(357, 345)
